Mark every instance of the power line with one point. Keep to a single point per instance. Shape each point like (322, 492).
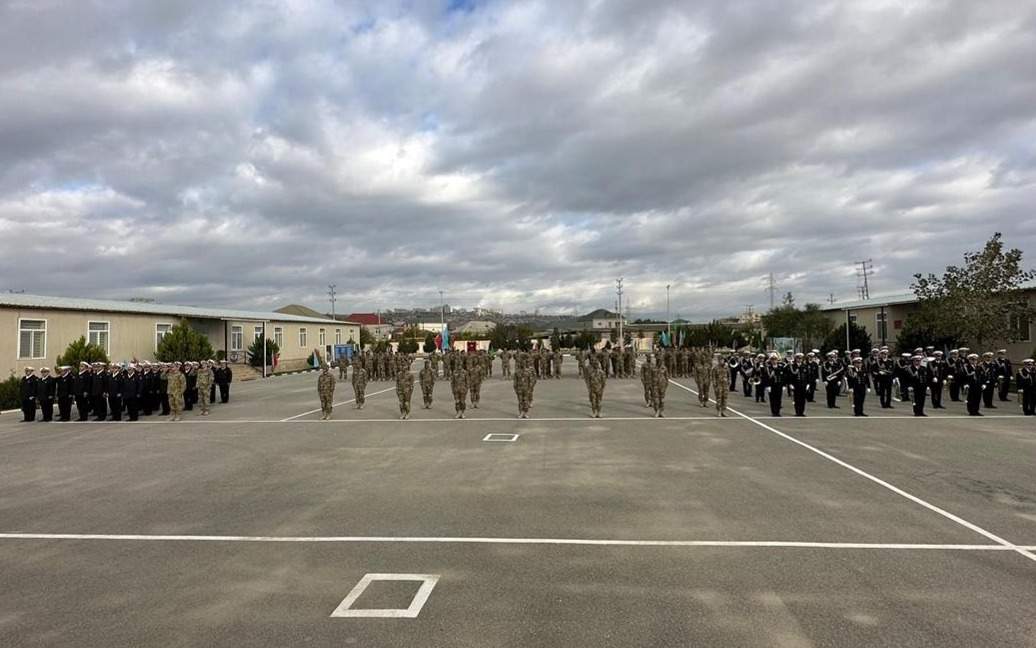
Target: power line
(771, 286)
(618, 291)
(331, 292)
(863, 272)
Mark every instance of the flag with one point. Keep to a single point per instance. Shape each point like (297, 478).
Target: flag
(665, 339)
(445, 337)
(438, 341)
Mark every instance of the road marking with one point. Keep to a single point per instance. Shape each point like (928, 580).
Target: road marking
(585, 542)
(351, 400)
(877, 480)
(428, 581)
(500, 438)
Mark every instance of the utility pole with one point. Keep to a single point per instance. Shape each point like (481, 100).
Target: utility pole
(669, 322)
(831, 298)
(442, 313)
(618, 290)
(771, 285)
(331, 292)
(862, 273)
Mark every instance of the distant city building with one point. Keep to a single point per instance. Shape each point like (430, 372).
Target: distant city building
(373, 323)
(477, 327)
(598, 320)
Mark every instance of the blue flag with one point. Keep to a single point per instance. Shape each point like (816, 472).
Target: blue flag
(665, 339)
(445, 337)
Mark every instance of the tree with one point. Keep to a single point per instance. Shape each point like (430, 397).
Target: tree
(555, 339)
(255, 352)
(511, 337)
(408, 345)
(10, 393)
(978, 302)
(366, 339)
(81, 351)
(429, 343)
(182, 343)
(811, 325)
(858, 339)
(585, 340)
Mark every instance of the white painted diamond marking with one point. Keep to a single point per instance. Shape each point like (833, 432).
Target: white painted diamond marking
(428, 581)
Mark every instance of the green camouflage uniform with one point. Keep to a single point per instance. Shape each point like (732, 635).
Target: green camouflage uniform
(360, 385)
(524, 385)
(720, 375)
(326, 391)
(404, 391)
(204, 384)
(475, 376)
(647, 379)
(661, 383)
(459, 386)
(595, 381)
(427, 377)
(176, 384)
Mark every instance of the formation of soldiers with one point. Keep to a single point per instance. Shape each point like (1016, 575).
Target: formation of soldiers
(109, 391)
(979, 381)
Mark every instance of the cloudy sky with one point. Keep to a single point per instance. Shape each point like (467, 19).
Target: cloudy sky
(517, 155)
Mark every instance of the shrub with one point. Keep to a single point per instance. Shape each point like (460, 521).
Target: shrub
(82, 351)
(255, 352)
(183, 343)
(10, 397)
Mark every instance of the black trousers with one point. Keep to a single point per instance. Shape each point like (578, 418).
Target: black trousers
(746, 385)
(760, 393)
(885, 391)
(1029, 402)
(29, 409)
(100, 408)
(859, 396)
(1005, 388)
(47, 409)
(115, 405)
(147, 403)
(83, 407)
(955, 391)
(832, 387)
(920, 394)
(224, 392)
(776, 393)
(189, 398)
(65, 408)
(974, 399)
(733, 379)
(799, 397)
(936, 388)
(133, 407)
(212, 393)
(811, 390)
(165, 404)
(987, 395)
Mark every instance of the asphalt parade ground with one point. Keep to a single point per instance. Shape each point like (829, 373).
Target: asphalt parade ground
(264, 526)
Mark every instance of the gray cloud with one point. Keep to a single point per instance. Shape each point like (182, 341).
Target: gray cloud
(516, 155)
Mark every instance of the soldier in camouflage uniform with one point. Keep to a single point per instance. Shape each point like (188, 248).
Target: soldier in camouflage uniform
(427, 379)
(595, 381)
(476, 373)
(404, 390)
(702, 365)
(326, 390)
(343, 368)
(647, 379)
(557, 359)
(204, 385)
(459, 386)
(720, 374)
(524, 384)
(359, 385)
(176, 385)
(661, 383)
(434, 360)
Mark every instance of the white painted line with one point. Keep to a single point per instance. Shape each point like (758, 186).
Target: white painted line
(351, 400)
(511, 541)
(500, 438)
(884, 484)
(428, 581)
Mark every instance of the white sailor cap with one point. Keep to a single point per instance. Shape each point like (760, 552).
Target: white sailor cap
(954, 350)
(917, 357)
(855, 360)
(938, 353)
(1028, 361)
(918, 349)
(988, 354)
(65, 368)
(883, 348)
(29, 369)
(1004, 351)
(972, 355)
(799, 355)
(84, 363)
(856, 350)
(905, 355)
(775, 355)
(46, 369)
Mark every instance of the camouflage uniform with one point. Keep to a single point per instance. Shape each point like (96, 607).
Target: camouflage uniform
(326, 391)
(647, 379)
(505, 364)
(404, 390)
(459, 386)
(557, 364)
(604, 358)
(580, 359)
(720, 374)
(661, 380)
(595, 381)
(176, 385)
(204, 385)
(631, 364)
(427, 377)
(524, 384)
(359, 386)
(703, 375)
(435, 359)
(475, 376)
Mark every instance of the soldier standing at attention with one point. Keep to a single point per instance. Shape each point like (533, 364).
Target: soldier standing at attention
(459, 386)
(704, 376)
(719, 371)
(65, 388)
(661, 383)
(326, 391)
(505, 364)
(132, 388)
(524, 384)
(427, 377)
(404, 390)
(1003, 363)
(176, 385)
(82, 390)
(558, 357)
(918, 379)
(223, 380)
(734, 365)
(595, 381)
(858, 378)
(360, 385)
(1026, 381)
(204, 385)
(774, 376)
(647, 379)
(475, 375)
(938, 368)
(27, 389)
(99, 392)
(115, 383)
(45, 390)
(991, 371)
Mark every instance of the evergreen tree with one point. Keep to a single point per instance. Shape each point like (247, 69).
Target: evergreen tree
(182, 343)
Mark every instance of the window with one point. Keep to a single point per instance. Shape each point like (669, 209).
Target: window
(278, 336)
(322, 336)
(881, 319)
(852, 318)
(258, 333)
(302, 338)
(161, 330)
(97, 335)
(338, 336)
(1020, 328)
(237, 338)
(32, 339)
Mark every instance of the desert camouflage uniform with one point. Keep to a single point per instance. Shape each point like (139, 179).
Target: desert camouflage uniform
(176, 385)
(205, 379)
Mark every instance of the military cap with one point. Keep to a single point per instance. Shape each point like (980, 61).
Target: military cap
(938, 353)
(917, 357)
(45, 369)
(972, 355)
(855, 360)
(1028, 361)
